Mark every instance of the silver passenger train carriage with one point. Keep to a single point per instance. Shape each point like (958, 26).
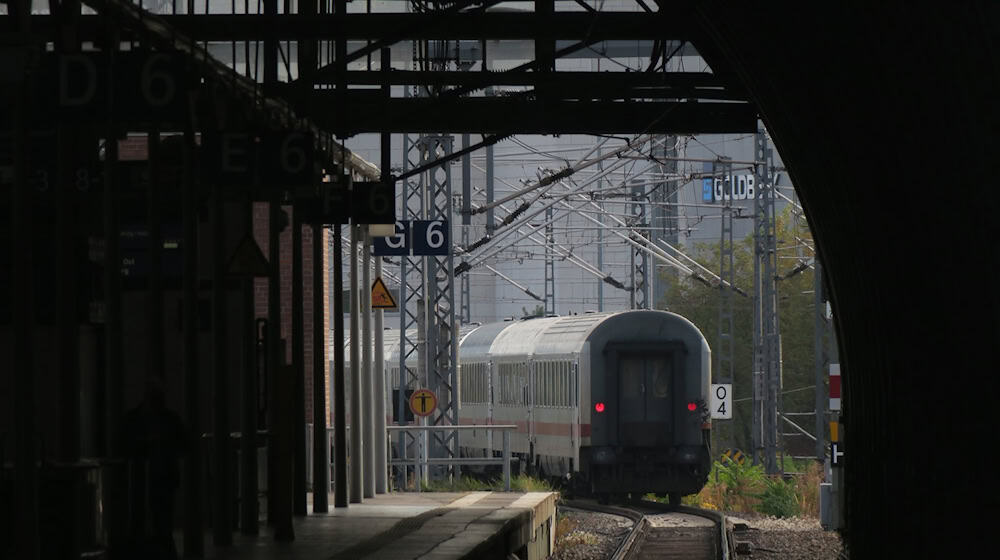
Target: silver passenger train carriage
(615, 402)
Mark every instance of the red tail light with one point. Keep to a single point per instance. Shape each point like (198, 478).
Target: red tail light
(692, 406)
(599, 407)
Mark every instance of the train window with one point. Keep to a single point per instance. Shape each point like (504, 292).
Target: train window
(631, 377)
(575, 401)
(513, 383)
(566, 397)
(661, 374)
(548, 383)
(540, 368)
(564, 390)
(559, 385)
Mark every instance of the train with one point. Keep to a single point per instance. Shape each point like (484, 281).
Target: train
(611, 403)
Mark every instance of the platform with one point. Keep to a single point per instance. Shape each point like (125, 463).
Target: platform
(410, 526)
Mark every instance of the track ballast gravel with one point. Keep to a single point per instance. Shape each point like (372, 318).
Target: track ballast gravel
(596, 535)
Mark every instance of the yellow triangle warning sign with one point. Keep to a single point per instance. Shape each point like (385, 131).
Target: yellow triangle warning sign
(248, 260)
(381, 297)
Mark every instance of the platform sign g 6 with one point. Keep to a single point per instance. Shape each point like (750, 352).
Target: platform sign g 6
(415, 237)
(722, 401)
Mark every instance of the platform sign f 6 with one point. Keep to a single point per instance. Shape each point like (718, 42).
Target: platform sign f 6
(722, 401)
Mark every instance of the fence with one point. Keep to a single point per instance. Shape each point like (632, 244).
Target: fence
(421, 461)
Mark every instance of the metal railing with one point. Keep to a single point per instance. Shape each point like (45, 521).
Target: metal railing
(421, 461)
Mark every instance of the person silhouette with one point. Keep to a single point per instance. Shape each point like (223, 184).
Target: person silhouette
(155, 439)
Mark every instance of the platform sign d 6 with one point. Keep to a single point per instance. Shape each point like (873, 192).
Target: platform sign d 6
(722, 401)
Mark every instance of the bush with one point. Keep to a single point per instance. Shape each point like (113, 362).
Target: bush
(807, 489)
(745, 488)
(523, 483)
(519, 483)
(779, 499)
(742, 484)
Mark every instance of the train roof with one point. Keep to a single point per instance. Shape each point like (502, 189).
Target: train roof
(563, 335)
(551, 336)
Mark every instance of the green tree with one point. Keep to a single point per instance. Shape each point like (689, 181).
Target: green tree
(700, 304)
(538, 311)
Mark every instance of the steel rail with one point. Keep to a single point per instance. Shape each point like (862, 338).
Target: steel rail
(630, 545)
(725, 550)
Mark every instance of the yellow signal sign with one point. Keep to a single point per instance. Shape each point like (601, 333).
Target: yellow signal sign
(381, 296)
(735, 455)
(834, 431)
(423, 402)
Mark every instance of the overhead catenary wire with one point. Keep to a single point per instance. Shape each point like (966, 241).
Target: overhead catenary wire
(534, 236)
(495, 245)
(655, 251)
(563, 173)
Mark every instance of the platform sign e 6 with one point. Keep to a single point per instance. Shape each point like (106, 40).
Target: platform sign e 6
(722, 401)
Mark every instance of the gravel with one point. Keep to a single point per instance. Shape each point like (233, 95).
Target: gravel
(593, 535)
(787, 538)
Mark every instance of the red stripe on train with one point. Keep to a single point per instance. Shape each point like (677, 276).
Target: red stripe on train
(541, 428)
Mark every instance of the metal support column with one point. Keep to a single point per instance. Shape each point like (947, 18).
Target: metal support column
(298, 368)
(600, 236)
(22, 371)
(663, 221)
(550, 265)
(339, 401)
(381, 451)
(154, 207)
(639, 256)
(724, 352)
(819, 359)
(410, 298)
(67, 333)
(439, 296)
(222, 524)
(465, 311)
(194, 545)
(368, 385)
(357, 413)
(275, 344)
(767, 345)
(249, 513)
(320, 447)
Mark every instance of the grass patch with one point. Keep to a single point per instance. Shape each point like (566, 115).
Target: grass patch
(519, 483)
(745, 488)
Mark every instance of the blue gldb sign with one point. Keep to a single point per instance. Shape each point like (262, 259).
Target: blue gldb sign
(415, 237)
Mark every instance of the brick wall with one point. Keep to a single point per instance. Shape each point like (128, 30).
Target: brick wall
(261, 225)
(135, 148)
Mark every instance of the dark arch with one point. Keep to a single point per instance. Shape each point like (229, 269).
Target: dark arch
(886, 118)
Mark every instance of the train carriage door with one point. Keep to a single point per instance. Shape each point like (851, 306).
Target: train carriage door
(490, 377)
(529, 399)
(645, 390)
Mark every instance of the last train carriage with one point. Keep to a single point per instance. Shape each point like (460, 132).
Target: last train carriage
(615, 402)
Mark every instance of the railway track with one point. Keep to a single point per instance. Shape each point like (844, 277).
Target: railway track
(661, 531)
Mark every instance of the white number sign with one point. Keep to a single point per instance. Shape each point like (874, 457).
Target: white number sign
(722, 401)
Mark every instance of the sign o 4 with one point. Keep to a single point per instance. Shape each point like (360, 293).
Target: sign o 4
(721, 403)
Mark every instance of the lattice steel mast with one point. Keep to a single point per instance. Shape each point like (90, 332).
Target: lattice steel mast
(722, 173)
(767, 338)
